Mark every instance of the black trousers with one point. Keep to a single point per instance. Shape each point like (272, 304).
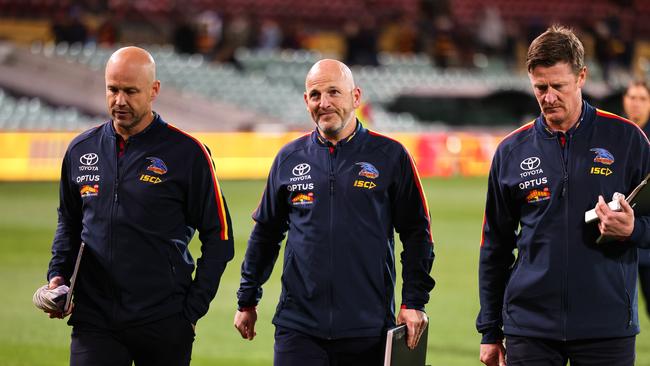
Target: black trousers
(644, 284)
(526, 351)
(166, 342)
(293, 348)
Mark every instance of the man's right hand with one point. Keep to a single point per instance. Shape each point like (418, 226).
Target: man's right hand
(493, 354)
(245, 323)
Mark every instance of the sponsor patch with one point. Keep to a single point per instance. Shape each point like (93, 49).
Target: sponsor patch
(603, 156)
(300, 187)
(537, 195)
(157, 165)
(89, 159)
(599, 170)
(364, 184)
(368, 170)
(89, 191)
(301, 169)
(302, 199)
(150, 179)
(530, 163)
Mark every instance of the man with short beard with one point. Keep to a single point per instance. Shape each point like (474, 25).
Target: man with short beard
(339, 194)
(134, 190)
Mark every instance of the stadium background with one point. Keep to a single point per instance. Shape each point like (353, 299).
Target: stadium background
(444, 77)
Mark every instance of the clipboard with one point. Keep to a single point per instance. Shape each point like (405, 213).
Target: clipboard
(73, 279)
(639, 200)
(397, 352)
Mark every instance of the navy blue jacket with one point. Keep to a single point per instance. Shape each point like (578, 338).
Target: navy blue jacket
(137, 216)
(340, 205)
(562, 285)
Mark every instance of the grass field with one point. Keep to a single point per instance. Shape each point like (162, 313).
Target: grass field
(28, 337)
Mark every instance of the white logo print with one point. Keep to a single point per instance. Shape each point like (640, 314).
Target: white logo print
(89, 159)
(530, 163)
(301, 169)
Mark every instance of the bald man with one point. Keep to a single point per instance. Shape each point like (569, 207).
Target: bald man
(339, 194)
(636, 104)
(134, 190)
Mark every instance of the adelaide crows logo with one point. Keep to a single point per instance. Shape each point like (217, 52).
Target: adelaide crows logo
(603, 156)
(368, 170)
(157, 165)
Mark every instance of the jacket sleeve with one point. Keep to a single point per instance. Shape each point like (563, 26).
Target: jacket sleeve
(271, 225)
(67, 238)
(496, 257)
(207, 211)
(413, 224)
(641, 233)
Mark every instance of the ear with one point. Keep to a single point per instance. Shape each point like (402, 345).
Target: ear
(582, 77)
(356, 97)
(155, 90)
(306, 98)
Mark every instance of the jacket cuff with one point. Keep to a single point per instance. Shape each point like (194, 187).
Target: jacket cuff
(638, 232)
(246, 308)
(414, 307)
(492, 336)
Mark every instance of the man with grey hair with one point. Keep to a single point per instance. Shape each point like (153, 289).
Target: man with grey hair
(564, 297)
(134, 190)
(340, 193)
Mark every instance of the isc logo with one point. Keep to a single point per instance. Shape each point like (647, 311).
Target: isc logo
(150, 179)
(364, 184)
(600, 171)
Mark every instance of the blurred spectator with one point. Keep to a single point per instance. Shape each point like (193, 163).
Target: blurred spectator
(67, 26)
(361, 42)
(270, 35)
(184, 36)
(237, 34)
(210, 30)
(491, 31)
(108, 34)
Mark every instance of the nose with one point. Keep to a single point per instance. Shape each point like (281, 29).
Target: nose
(324, 102)
(120, 99)
(550, 97)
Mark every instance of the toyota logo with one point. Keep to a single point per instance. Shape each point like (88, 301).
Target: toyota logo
(530, 163)
(301, 169)
(89, 159)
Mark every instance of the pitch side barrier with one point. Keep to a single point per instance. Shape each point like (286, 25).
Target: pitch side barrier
(36, 156)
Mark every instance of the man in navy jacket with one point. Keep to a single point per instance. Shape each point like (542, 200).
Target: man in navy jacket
(636, 104)
(339, 192)
(134, 190)
(564, 297)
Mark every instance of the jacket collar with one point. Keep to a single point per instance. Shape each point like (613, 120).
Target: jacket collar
(157, 122)
(585, 120)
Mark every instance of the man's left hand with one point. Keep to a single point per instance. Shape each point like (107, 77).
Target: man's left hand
(617, 224)
(416, 321)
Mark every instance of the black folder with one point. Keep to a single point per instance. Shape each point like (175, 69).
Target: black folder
(398, 353)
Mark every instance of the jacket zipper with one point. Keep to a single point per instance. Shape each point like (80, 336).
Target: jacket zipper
(565, 195)
(332, 181)
(114, 206)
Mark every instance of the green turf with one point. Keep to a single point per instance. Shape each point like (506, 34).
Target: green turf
(28, 337)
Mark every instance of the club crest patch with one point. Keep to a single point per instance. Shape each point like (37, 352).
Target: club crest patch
(368, 170)
(603, 156)
(157, 165)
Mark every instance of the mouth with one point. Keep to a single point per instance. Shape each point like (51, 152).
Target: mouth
(121, 114)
